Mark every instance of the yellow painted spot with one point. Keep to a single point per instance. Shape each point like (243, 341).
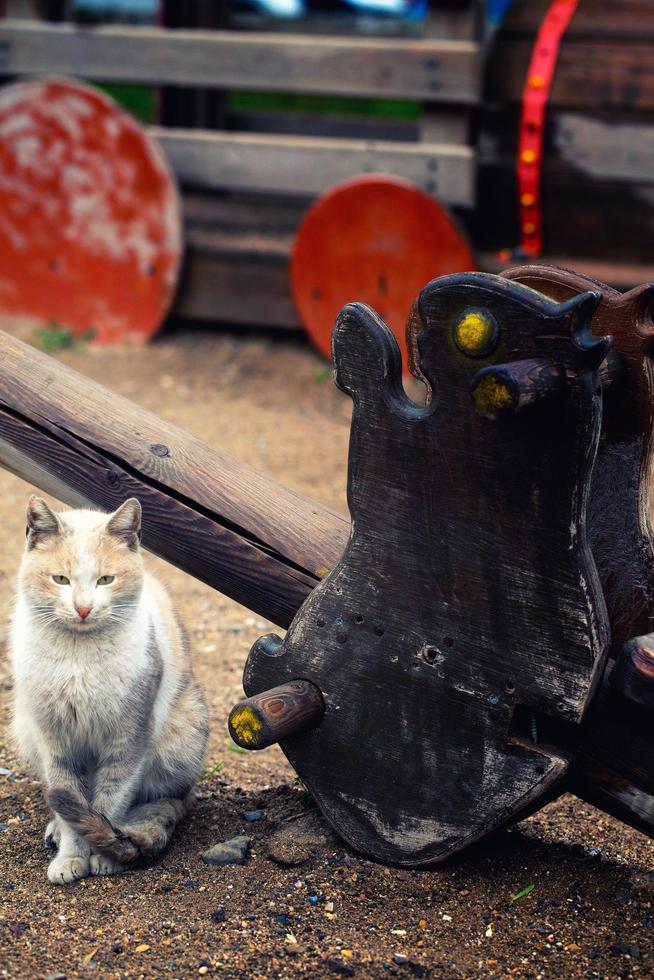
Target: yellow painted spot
(536, 81)
(491, 396)
(322, 571)
(247, 725)
(527, 200)
(475, 333)
(528, 156)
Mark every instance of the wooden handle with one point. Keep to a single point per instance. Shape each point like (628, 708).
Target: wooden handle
(504, 389)
(273, 715)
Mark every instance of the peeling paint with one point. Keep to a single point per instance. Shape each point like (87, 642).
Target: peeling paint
(89, 215)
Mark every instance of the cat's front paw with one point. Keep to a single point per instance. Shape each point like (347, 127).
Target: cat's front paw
(101, 865)
(63, 870)
(52, 835)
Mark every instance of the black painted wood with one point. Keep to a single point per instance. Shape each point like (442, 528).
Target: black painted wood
(619, 526)
(614, 758)
(467, 588)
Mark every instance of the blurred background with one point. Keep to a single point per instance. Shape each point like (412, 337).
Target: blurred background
(263, 108)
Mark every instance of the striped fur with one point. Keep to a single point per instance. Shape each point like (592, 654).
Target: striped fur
(106, 707)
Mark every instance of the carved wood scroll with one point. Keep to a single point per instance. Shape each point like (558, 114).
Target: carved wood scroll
(466, 598)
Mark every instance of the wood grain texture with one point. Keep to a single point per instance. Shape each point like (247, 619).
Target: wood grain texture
(475, 595)
(613, 766)
(302, 165)
(442, 70)
(284, 712)
(618, 521)
(212, 515)
(592, 72)
(230, 239)
(629, 19)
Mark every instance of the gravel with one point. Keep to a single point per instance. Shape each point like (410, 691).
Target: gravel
(589, 914)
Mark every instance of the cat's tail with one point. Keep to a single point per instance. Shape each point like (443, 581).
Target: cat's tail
(145, 832)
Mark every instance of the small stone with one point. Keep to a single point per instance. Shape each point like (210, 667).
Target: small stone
(329, 906)
(55, 976)
(234, 851)
(489, 932)
(400, 959)
(5, 772)
(218, 915)
(252, 816)
(203, 970)
(313, 899)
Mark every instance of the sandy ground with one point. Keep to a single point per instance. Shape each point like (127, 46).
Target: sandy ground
(590, 912)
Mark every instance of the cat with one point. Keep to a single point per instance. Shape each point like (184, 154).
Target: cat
(106, 707)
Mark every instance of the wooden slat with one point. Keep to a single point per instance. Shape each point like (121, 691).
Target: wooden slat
(441, 70)
(589, 74)
(307, 166)
(581, 216)
(589, 146)
(219, 263)
(593, 18)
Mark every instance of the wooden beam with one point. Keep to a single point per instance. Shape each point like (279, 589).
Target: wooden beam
(441, 70)
(303, 165)
(210, 514)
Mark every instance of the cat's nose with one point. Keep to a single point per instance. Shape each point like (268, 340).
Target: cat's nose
(83, 611)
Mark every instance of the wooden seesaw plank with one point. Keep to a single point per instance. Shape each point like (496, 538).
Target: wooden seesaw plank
(212, 515)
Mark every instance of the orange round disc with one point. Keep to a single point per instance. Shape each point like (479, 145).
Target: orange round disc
(373, 239)
(90, 231)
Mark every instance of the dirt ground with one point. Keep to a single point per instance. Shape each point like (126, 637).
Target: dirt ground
(590, 912)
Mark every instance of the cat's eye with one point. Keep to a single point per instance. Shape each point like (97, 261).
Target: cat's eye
(61, 580)
(106, 579)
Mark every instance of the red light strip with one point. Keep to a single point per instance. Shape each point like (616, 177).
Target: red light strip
(532, 121)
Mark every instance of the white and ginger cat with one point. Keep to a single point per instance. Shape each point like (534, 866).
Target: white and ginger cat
(107, 710)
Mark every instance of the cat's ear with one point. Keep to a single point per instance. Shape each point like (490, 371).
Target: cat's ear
(41, 521)
(125, 523)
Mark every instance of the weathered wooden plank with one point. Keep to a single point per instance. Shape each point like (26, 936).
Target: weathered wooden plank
(596, 219)
(442, 70)
(604, 74)
(232, 243)
(218, 518)
(590, 146)
(306, 166)
(593, 18)
(218, 277)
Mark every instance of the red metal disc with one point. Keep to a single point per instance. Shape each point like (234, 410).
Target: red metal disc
(90, 233)
(377, 240)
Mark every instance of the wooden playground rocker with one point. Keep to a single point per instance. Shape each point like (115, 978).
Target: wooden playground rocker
(476, 641)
